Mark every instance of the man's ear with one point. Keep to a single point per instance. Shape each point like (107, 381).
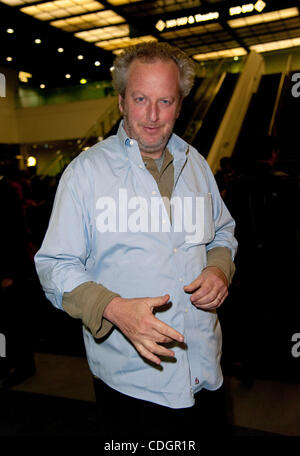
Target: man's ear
(121, 103)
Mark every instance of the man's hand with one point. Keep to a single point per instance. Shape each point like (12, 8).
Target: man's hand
(209, 289)
(134, 317)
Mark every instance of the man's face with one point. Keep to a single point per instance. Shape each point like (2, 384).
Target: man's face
(151, 104)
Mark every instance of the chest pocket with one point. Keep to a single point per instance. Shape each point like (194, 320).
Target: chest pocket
(196, 218)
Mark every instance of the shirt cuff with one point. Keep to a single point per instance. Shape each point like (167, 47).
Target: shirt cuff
(87, 302)
(220, 257)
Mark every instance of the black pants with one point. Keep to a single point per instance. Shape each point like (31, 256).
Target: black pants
(124, 418)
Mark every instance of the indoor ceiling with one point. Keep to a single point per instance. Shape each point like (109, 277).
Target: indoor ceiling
(61, 42)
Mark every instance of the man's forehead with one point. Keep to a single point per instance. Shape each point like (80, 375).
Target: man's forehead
(139, 61)
(143, 66)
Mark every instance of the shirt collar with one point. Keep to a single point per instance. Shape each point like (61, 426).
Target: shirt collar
(176, 146)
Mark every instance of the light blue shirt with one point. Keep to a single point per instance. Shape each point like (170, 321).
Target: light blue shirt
(100, 230)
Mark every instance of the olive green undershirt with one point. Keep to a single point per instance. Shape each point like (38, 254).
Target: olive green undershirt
(88, 300)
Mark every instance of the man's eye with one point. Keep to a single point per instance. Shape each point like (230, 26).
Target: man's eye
(140, 99)
(165, 102)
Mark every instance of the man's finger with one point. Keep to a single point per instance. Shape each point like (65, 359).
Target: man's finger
(147, 354)
(192, 286)
(159, 300)
(199, 298)
(166, 330)
(215, 303)
(161, 339)
(158, 349)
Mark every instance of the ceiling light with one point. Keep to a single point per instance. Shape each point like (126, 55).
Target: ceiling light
(276, 45)
(264, 18)
(38, 41)
(226, 53)
(60, 50)
(23, 76)
(60, 8)
(192, 31)
(83, 81)
(103, 33)
(31, 161)
(122, 2)
(10, 30)
(42, 86)
(9, 59)
(97, 63)
(80, 57)
(121, 43)
(88, 21)
(67, 76)
(16, 2)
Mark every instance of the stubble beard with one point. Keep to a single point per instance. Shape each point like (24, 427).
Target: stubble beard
(147, 148)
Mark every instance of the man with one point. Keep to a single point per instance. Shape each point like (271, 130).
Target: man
(140, 247)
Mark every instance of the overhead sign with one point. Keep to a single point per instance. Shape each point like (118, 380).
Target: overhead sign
(197, 18)
(181, 21)
(247, 8)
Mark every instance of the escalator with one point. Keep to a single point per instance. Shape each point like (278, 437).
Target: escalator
(287, 127)
(189, 104)
(257, 120)
(203, 137)
(262, 197)
(216, 116)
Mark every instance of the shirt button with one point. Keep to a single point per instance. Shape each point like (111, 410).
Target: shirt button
(153, 192)
(140, 166)
(186, 310)
(164, 221)
(175, 250)
(180, 279)
(131, 142)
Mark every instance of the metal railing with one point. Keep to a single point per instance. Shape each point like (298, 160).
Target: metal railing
(280, 95)
(101, 127)
(203, 100)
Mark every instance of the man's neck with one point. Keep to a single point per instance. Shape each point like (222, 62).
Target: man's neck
(154, 155)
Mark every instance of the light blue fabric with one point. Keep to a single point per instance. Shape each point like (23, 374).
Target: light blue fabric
(139, 264)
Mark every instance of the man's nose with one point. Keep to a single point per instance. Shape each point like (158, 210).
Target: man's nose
(153, 112)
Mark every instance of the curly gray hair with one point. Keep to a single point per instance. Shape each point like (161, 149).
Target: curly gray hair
(149, 52)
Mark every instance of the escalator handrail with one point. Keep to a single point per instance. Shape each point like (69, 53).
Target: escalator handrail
(279, 96)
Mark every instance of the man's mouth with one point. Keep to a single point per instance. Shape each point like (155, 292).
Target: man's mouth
(151, 128)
